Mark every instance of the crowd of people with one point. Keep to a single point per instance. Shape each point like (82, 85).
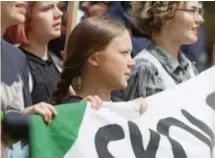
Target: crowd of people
(119, 51)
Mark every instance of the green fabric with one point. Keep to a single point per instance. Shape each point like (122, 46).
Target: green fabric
(1, 115)
(55, 139)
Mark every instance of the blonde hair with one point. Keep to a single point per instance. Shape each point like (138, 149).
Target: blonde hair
(149, 16)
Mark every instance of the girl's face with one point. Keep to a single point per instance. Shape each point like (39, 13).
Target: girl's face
(184, 27)
(45, 20)
(13, 12)
(114, 63)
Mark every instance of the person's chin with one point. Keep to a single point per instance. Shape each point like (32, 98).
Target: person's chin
(124, 85)
(192, 39)
(56, 34)
(19, 19)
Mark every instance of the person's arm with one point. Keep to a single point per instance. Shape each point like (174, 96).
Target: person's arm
(14, 125)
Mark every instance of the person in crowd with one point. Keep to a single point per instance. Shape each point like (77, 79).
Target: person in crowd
(162, 65)
(33, 42)
(120, 10)
(16, 101)
(57, 45)
(94, 8)
(16, 98)
(90, 8)
(102, 65)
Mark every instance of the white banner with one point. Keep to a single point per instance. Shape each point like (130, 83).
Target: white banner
(179, 123)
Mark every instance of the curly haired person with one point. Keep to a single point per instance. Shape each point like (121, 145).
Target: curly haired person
(162, 65)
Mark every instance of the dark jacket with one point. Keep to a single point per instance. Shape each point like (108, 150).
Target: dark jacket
(15, 91)
(45, 77)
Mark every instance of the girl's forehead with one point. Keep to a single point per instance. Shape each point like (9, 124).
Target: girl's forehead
(40, 4)
(193, 4)
(47, 2)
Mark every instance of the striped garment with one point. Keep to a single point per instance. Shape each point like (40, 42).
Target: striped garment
(145, 79)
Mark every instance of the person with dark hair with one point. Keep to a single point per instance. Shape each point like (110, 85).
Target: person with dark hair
(94, 8)
(102, 65)
(162, 65)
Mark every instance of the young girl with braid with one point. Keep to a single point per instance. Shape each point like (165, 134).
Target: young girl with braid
(98, 60)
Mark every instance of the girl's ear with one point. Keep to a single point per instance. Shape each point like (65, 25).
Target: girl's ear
(94, 59)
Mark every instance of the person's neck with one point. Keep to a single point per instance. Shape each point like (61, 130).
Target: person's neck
(36, 47)
(4, 26)
(165, 42)
(92, 86)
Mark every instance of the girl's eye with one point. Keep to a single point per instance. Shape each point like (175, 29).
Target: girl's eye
(125, 53)
(48, 8)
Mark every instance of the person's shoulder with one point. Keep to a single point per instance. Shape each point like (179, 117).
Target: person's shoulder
(143, 64)
(12, 50)
(71, 99)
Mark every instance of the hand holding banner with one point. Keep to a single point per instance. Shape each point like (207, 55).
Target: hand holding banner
(179, 123)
